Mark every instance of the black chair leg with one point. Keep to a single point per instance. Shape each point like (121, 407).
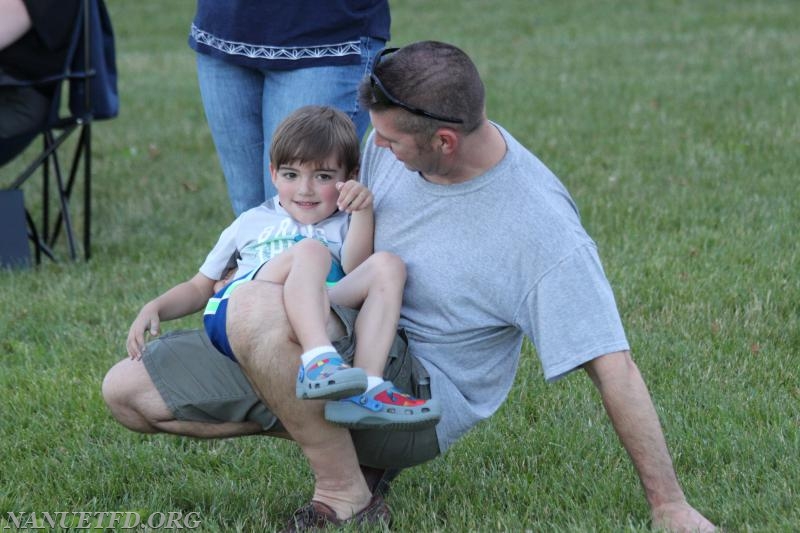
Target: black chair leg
(64, 202)
(87, 190)
(39, 245)
(81, 153)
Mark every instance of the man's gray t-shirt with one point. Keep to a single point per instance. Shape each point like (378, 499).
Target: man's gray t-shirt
(489, 261)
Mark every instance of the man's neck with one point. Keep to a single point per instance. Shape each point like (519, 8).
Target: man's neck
(477, 153)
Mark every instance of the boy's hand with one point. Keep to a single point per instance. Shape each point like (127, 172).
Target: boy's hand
(353, 196)
(147, 321)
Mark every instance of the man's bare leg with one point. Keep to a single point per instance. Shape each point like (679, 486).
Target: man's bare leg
(267, 349)
(136, 404)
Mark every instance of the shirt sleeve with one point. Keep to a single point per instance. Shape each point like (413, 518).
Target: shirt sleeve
(216, 261)
(367, 158)
(571, 315)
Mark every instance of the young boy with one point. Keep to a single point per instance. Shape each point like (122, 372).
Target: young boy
(298, 239)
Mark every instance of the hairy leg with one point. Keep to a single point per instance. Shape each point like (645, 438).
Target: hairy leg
(376, 286)
(136, 404)
(266, 347)
(302, 270)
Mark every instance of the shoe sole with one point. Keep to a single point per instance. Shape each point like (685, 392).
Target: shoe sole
(352, 416)
(342, 384)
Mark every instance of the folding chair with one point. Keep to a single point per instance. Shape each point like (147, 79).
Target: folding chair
(90, 72)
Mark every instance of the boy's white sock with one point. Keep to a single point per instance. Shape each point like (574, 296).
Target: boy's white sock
(314, 352)
(373, 381)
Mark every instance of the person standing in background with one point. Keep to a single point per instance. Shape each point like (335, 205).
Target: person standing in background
(257, 61)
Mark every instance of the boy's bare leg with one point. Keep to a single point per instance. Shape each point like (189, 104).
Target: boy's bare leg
(302, 270)
(375, 286)
(266, 347)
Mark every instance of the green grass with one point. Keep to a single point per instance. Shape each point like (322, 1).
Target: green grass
(675, 126)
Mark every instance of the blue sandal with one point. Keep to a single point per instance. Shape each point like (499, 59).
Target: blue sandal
(328, 377)
(384, 407)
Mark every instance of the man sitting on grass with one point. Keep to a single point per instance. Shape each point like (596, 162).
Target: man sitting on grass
(494, 251)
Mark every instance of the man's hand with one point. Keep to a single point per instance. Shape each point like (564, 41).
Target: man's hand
(353, 196)
(680, 518)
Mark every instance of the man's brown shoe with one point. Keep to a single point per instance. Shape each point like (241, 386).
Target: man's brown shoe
(317, 515)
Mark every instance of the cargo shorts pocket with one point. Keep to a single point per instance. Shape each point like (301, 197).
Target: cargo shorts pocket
(405, 370)
(420, 380)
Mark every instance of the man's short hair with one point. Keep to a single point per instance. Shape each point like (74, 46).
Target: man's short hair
(314, 134)
(430, 75)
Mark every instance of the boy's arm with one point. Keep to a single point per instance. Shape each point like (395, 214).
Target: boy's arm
(359, 241)
(181, 300)
(356, 199)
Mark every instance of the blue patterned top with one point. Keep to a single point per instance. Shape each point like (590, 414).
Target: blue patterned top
(287, 35)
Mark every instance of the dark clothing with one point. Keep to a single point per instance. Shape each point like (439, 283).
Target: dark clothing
(39, 53)
(43, 49)
(22, 111)
(277, 34)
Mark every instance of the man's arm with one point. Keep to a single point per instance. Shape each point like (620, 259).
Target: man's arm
(631, 411)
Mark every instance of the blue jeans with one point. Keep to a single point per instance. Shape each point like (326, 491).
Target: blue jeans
(244, 106)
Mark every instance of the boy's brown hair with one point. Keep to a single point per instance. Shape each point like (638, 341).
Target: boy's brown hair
(314, 134)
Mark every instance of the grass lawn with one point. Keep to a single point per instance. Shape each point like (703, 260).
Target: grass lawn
(675, 125)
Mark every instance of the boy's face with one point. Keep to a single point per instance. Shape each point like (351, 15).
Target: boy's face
(307, 190)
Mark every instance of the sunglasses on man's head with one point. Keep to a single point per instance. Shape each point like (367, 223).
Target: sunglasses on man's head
(380, 94)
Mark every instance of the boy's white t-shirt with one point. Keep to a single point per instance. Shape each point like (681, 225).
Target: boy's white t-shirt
(261, 233)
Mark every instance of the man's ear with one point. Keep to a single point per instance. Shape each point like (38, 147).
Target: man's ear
(445, 140)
